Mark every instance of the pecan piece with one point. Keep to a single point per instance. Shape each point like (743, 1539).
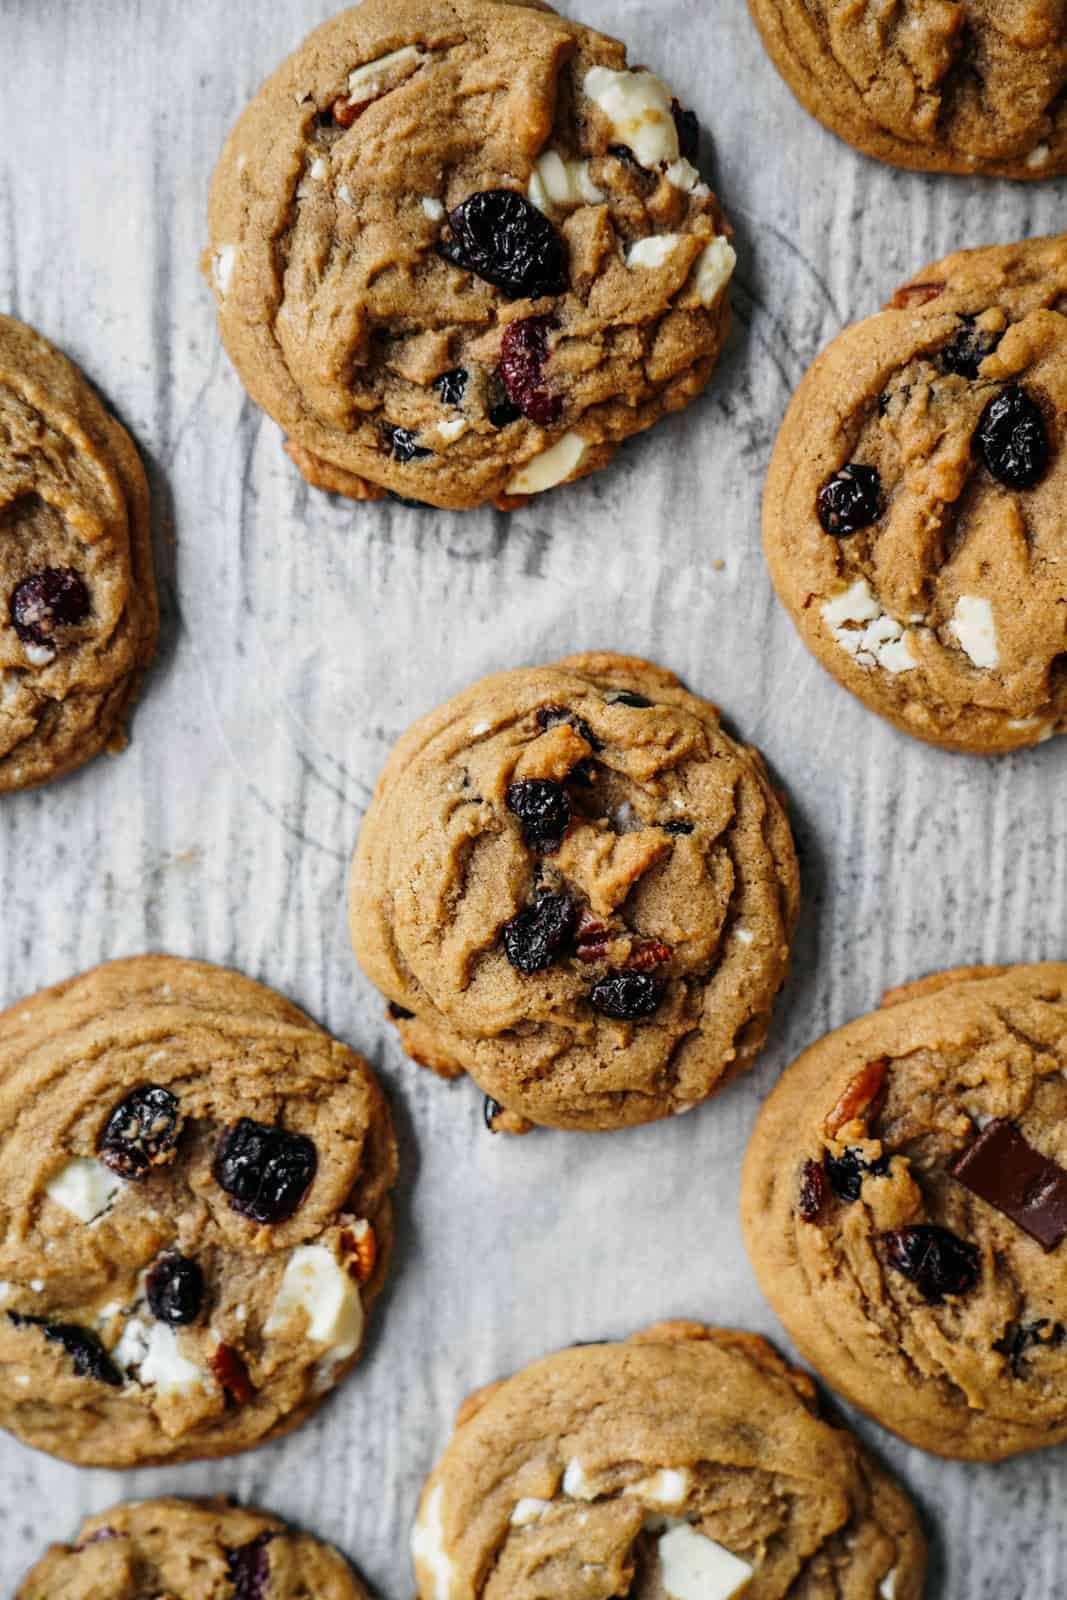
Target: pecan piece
(864, 1097)
(915, 294)
(232, 1374)
(360, 1243)
(647, 954)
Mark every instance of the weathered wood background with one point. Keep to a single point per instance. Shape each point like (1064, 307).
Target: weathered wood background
(302, 634)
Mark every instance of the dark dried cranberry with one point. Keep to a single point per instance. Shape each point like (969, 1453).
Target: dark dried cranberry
(48, 600)
(491, 1109)
(678, 827)
(504, 414)
(248, 1568)
(1011, 436)
(846, 1173)
(141, 1132)
(550, 716)
(626, 996)
(265, 1170)
(852, 499)
(523, 354)
(813, 1191)
(627, 698)
(934, 1260)
(452, 385)
(403, 444)
(90, 1358)
(543, 809)
(499, 236)
(968, 350)
(688, 125)
(534, 938)
(1022, 1337)
(175, 1290)
(399, 1013)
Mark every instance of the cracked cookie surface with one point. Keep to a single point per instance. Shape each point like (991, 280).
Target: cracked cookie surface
(78, 617)
(574, 886)
(194, 1213)
(461, 251)
(971, 87)
(903, 1206)
(190, 1550)
(914, 514)
(685, 1461)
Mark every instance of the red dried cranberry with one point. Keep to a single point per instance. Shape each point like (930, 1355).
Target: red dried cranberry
(934, 1260)
(543, 809)
(852, 499)
(813, 1191)
(175, 1290)
(452, 385)
(248, 1568)
(90, 1358)
(534, 938)
(141, 1132)
(403, 444)
(523, 354)
(626, 996)
(1011, 436)
(47, 600)
(266, 1171)
(968, 350)
(847, 1172)
(499, 236)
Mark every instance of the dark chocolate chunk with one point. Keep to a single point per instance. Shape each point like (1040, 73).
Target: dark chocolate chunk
(1016, 1180)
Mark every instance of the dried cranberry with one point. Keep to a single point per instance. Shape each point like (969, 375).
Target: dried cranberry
(1011, 436)
(175, 1290)
(813, 1191)
(499, 236)
(90, 1358)
(503, 414)
(523, 354)
(850, 500)
(491, 1109)
(626, 996)
(47, 600)
(452, 385)
(534, 938)
(399, 1013)
(543, 809)
(403, 444)
(934, 1260)
(1022, 1337)
(265, 1170)
(627, 697)
(141, 1132)
(846, 1173)
(688, 125)
(248, 1568)
(968, 350)
(678, 827)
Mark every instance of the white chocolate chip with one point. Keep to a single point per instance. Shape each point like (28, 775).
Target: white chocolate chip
(552, 466)
(5, 1292)
(39, 655)
(479, 729)
(694, 1567)
(10, 683)
(654, 251)
(152, 1356)
(528, 1510)
(37, 1285)
(878, 640)
(85, 1188)
(576, 1486)
(433, 208)
(714, 269)
(975, 630)
(344, 193)
(22, 1379)
(1038, 156)
(317, 1285)
(319, 168)
(683, 175)
(668, 1487)
(453, 428)
(743, 936)
(555, 182)
(856, 604)
(373, 79)
(887, 1589)
(428, 1546)
(225, 260)
(638, 107)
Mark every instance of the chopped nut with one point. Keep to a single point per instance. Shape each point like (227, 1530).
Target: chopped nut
(648, 954)
(360, 1244)
(863, 1097)
(916, 294)
(232, 1373)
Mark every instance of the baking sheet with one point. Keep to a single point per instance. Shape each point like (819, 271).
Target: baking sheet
(301, 635)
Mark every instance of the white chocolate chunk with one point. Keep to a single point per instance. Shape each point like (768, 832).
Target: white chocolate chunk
(653, 251)
(714, 269)
(683, 175)
(694, 1567)
(373, 79)
(433, 208)
(428, 1546)
(852, 605)
(1038, 156)
(453, 428)
(39, 655)
(528, 1510)
(225, 259)
(480, 729)
(153, 1357)
(344, 193)
(316, 1284)
(85, 1188)
(887, 1589)
(576, 1486)
(638, 107)
(879, 641)
(555, 182)
(5, 1292)
(744, 936)
(552, 466)
(319, 168)
(10, 683)
(669, 1487)
(975, 630)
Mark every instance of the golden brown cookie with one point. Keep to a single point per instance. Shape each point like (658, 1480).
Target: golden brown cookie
(574, 886)
(689, 1463)
(940, 85)
(194, 1213)
(461, 251)
(190, 1550)
(79, 618)
(915, 512)
(905, 1208)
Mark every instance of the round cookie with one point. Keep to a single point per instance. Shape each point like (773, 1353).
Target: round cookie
(914, 514)
(686, 1461)
(461, 252)
(78, 616)
(574, 886)
(194, 1213)
(903, 1207)
(969, 86)
(190, 1550)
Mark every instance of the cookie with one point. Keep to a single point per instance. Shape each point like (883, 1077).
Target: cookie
(574, 886)
(970, 86)
(78, 616)
(688, 1462)
(461, 251)
(905, 1208)
(194, 1213)
(189, 1550)
(914, 515)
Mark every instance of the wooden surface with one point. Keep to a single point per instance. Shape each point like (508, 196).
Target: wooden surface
(301, 635)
